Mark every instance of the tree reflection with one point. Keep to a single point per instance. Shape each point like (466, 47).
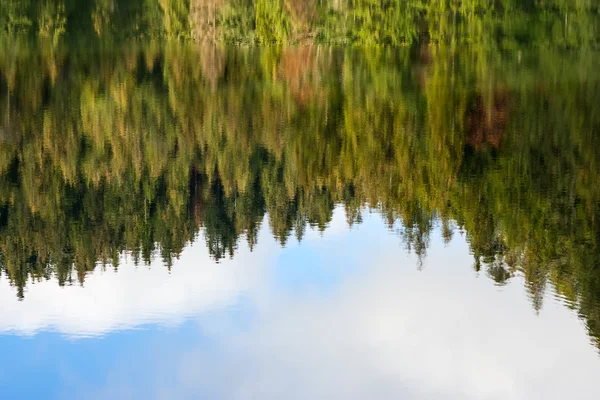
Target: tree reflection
(140, 149)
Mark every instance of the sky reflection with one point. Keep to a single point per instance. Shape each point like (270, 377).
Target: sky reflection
(344, 314)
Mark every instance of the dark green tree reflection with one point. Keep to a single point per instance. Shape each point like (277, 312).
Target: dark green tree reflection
(140, 148)
(493, 24)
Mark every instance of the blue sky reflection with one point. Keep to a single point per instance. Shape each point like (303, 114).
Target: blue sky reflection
(345, 314)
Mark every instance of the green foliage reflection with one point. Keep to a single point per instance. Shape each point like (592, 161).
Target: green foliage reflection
(493, 24)
(140, 148)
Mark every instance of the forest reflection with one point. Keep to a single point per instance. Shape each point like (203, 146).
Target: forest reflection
(491, 24)
(139, 148)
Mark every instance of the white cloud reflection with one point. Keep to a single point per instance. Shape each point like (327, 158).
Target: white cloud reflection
(132, 296)
(384, 330)
(392, 332)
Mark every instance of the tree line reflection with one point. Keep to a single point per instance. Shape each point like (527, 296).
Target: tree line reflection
(494, 24)
(140, 148)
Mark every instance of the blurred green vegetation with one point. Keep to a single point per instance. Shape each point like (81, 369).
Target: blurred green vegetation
(129, 126)
(495, 24)
(142, 148)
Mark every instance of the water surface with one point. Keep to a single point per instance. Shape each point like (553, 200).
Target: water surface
(344, 314)
(186, 220)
